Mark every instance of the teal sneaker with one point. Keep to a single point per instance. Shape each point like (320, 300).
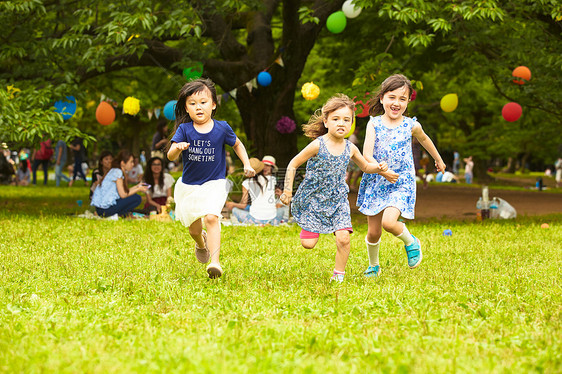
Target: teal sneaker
(338, 278)
(414, 253)
(372, 271)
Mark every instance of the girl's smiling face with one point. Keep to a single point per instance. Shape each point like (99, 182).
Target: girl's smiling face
(200, 107)
(339, 122)
(395, 102)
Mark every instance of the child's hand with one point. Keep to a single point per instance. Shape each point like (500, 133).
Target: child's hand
(286, 197)
(390, 176)
(182, 146)
(383, 166)
(143, 187)
(440, 166)
(249, 171)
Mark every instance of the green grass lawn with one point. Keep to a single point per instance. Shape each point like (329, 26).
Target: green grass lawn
(103, 296)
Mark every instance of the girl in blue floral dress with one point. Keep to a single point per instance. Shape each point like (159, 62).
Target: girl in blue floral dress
(389, 138)
(320, 205)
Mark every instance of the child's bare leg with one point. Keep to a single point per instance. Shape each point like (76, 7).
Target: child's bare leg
(309, 243)
(374, 229)
(343, 248)
(196, 230)
(390, 221)
(213, 236)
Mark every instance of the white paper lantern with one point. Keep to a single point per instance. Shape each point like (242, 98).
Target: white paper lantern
(350, 10)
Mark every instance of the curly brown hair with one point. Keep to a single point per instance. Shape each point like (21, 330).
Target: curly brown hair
(315, 126)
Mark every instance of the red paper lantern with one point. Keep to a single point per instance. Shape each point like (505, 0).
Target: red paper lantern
(522, 72)
(511, 112)
(105, 114)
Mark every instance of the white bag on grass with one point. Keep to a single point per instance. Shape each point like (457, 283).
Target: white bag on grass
(505, 210)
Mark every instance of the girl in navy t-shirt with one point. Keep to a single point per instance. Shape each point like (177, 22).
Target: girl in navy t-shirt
(202, 190)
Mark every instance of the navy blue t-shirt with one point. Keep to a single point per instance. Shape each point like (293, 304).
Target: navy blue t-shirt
(205, 159)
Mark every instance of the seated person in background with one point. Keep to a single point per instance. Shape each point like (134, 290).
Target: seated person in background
(160, 185)
(113, 196)
(104, 165)
(135, 174)
(446, 177)
(261, 190)
(23, 174)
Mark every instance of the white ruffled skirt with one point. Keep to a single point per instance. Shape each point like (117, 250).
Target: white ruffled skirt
(196, 201)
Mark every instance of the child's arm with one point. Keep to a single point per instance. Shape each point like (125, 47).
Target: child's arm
(243, 156)
(176, 149)
(243, 201)
(309, 151)
(368, 147)
(364, 165)
(426, 142)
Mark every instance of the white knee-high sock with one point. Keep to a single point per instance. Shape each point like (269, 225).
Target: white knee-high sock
(406, 237)
(373, 249)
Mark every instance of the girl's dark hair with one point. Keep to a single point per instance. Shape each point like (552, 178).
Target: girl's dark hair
(23, 165)
(315, 126)
(103, 155)
(391, 83)
(149, 177)
(188, 89)
(124, 155)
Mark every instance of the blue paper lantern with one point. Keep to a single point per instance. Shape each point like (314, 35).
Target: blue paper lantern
(66, 107)
(170, 110)
(264, 78)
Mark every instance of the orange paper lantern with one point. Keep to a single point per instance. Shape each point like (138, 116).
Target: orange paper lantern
(522, 72)
(105, 114)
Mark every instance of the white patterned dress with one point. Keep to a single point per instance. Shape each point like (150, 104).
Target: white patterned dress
(321, 204)
(395, 147)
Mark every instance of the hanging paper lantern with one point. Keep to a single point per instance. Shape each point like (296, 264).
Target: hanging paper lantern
(285, 125)
(361, 109)
(170, 110)
(352, 129)
(131, 105)
(350, 10)
(264, 78)
(336, 22)
(449, 102)
(105, 114)
(193, 72)
(414, 95)
(66, 107)
(310, 91)
(511, 112)
(523, 73)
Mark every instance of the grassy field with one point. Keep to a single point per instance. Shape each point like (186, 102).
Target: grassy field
(103, 296)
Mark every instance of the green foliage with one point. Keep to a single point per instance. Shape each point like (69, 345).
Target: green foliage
(129, 296)
(28, 115)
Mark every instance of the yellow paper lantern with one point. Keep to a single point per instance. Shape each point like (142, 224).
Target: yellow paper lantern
(449, 102)
(310, 91)
(131, 105)
(352, 129)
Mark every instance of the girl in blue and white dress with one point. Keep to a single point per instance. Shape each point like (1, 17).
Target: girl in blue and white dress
(389, 138)
(320, 205)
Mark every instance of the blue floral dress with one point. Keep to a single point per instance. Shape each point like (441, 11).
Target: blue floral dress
(321, 204)
(395, 147)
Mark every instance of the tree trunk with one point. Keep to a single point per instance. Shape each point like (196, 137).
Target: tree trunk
(524, 161)
(480, 171)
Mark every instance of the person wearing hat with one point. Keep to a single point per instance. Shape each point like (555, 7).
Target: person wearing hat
(259, 193)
